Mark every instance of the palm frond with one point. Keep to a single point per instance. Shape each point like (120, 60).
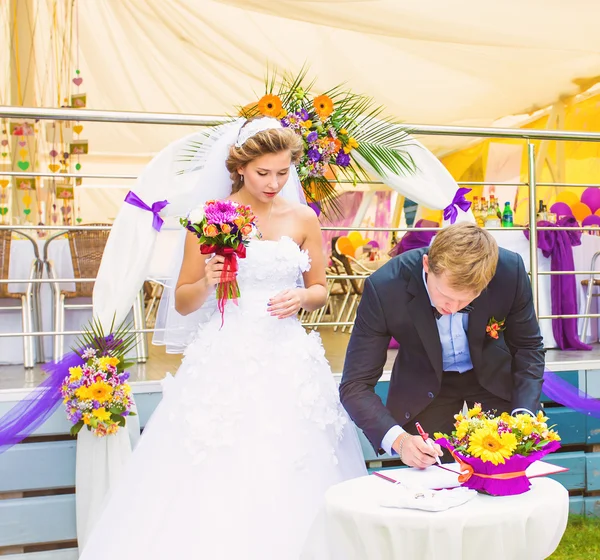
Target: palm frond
(118, 342)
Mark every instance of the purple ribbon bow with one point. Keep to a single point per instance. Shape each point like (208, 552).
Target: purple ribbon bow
(136, 201)
(459, 201)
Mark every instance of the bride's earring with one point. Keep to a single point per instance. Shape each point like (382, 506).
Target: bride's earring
(241, 178)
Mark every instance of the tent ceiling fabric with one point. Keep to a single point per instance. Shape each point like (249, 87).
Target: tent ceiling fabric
(436, 62)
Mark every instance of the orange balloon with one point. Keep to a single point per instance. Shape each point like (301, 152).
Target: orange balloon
(568, 197)
(597, 212)
(345, 246)
(580, 211)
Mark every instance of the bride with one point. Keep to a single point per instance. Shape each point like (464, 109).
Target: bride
(236, 459)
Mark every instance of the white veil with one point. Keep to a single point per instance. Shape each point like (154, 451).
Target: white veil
(211, 181)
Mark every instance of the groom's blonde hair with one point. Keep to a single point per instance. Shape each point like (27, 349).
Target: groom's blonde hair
(467, 254)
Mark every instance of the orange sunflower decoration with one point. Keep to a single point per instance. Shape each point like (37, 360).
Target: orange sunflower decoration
(270, 105)
(323, 106)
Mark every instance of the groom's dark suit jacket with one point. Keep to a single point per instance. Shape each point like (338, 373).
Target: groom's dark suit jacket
(395, 303)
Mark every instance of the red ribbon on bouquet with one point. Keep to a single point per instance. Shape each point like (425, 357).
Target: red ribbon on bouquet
(228, 287)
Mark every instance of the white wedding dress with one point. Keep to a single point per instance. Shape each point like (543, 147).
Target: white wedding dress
(250, 434)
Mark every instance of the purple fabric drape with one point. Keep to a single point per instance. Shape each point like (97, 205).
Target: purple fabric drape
(558, 246)
(23, 419)
(415, 239)
(562, 392)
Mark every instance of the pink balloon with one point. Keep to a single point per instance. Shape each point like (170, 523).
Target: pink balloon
(591, 197)
(561, 209)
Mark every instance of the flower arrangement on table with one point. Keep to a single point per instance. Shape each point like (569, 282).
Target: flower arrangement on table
(494, 451)
(223, 227)
(95, 391)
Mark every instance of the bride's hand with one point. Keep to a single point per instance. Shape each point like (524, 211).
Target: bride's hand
(287, 303)
(214, 269)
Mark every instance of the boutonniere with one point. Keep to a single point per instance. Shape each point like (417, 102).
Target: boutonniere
(494, 327)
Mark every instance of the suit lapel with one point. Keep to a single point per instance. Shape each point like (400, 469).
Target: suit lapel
(478, 319)
(423, 319)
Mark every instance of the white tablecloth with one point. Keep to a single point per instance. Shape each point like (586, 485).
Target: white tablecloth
(514, 240)
(353, 526)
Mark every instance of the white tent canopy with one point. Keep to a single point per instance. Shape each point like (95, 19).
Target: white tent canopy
(462, 62)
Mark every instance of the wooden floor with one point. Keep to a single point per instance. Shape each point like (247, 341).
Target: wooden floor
(335, 343)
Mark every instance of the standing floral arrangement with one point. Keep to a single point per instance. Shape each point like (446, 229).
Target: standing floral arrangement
(494, 451)
(95, 390)
(223, 227)
(343, 133)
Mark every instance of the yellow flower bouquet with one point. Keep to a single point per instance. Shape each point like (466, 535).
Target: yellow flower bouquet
(493, 452)
(95, 390)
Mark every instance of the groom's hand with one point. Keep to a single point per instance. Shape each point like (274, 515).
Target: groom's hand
(414, 452)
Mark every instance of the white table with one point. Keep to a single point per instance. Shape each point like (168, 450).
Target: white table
(353, 526)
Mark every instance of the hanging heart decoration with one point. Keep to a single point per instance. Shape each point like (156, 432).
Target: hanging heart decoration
(22, 143)
(78, 128)
(54, 167)
(4, 142)
(23, 165)
(3, 183)
(78, 81)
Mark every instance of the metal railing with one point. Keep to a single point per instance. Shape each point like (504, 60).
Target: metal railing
(415, 129)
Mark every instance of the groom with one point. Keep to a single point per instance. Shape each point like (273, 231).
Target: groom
(462, 312)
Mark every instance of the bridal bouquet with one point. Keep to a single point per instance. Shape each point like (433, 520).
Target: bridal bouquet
(95, 391)
(494, 451)
(223, 227)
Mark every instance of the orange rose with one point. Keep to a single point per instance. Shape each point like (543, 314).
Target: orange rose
(488, 328)
(494, 334)
(225, 228)
(239, 222)
(210, 230)
(247, 229)
(495, 326)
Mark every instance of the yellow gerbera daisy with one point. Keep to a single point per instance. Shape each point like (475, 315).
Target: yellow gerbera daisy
(462, 429)
(102, 414)
(83, 393)
(492, 447)
(475, 410)
(323, 106)
(75, 373)
(270, 105)
(100, 391)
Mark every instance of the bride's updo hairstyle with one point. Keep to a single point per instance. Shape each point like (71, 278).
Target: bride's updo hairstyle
(270, 141)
